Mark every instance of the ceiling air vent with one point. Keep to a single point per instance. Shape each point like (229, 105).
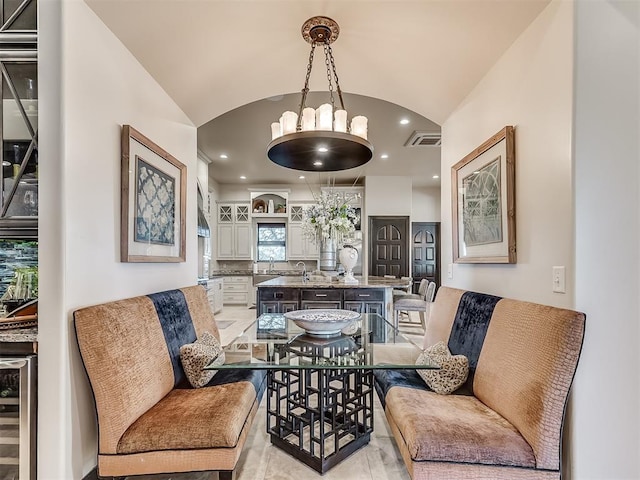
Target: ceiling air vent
(424, 139)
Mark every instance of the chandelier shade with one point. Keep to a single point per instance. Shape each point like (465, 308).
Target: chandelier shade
(320, 151)
(321, 139)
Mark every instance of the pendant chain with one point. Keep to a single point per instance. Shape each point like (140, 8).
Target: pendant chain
(335, 75)
(305, 90)
(327, 58)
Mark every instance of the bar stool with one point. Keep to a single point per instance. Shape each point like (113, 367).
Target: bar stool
(399, 292)
(422, 290)
(414, 303)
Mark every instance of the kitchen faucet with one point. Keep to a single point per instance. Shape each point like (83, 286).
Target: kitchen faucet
(304, 270)
(270, 264)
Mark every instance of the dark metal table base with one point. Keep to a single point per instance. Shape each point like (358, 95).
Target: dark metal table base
(320, 416)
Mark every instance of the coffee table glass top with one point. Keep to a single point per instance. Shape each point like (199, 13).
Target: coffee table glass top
(273, 342)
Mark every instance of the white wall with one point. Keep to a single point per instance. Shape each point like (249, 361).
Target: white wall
(203, 177)
(93, 85)
(425, 204)
(530, 88)
(605, 429)
(387, 196)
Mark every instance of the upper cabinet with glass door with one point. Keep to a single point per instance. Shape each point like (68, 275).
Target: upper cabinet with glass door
(19, 127)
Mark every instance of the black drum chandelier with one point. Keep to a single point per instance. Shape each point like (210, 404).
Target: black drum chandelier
(320, 140)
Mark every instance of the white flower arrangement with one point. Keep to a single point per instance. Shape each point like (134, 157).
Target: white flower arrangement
(329, 218)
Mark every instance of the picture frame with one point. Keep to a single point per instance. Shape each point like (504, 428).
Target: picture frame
(153, 201)
(483, 202)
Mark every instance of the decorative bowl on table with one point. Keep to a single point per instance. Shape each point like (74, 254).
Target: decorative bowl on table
(323, 323)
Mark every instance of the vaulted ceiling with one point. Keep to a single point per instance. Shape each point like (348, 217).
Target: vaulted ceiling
(221, 60)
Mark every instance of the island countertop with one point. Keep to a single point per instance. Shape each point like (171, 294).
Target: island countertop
(364, 282)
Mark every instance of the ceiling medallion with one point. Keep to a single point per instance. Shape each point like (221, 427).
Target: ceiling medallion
(320, 140)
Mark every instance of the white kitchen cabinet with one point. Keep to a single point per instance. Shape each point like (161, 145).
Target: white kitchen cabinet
(238, 290)
(215, 293)
(234, 231)
(299, 247)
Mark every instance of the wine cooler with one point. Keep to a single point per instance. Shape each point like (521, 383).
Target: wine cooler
(18, 417)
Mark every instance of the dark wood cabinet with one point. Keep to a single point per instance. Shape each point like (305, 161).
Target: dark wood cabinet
(282, 300)
(278, 300)
(321, 298)
(364, 300)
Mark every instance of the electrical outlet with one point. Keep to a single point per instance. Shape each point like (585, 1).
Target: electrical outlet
(558, 279)
(450, 271)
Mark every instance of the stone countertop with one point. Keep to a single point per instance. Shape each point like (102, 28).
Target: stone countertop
(249, 273)
(19, 335)
(230, 273)
(332, 282)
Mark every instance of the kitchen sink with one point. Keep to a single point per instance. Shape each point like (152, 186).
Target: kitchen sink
(263, 277)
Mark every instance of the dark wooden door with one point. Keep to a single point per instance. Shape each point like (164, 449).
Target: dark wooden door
(425, 247)
(389, 246)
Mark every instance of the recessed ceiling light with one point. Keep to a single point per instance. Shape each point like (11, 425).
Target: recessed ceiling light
(323, 149)
(404, 121)
(384, 155)
(301, 177)
(317, 163)
(436, 176)
(223, 156)
(242, 177)
(6, 164)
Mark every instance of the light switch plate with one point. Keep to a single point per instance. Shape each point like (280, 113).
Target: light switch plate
(450, 271)
(558, 285)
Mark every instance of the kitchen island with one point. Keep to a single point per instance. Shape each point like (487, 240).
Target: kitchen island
(288, 293)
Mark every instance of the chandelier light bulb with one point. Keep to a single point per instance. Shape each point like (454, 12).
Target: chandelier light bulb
(324, 117)
(276, 130)
(359, 126)
(340, 122)
(289, 121)
(308, 119)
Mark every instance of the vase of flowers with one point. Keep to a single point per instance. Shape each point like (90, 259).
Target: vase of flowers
(328, 255)
(328, 223)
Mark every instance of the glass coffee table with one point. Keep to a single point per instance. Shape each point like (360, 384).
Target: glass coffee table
(320, 388)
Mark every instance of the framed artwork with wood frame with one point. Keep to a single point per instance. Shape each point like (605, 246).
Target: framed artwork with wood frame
(483, 202)
(153, 202)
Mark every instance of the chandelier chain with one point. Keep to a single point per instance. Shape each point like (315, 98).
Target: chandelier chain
(335, 74)
(305, 90)
(327, 58)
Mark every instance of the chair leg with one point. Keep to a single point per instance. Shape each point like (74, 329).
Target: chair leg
(226, 475)
(422, 321)
(396, 319)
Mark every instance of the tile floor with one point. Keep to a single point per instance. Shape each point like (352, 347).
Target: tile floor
(379, 460)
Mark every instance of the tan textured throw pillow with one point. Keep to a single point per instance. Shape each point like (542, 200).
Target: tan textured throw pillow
(454, 369)
(207, 338)
(195, 356)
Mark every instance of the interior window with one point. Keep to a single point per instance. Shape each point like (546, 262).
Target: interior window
(272, 242)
